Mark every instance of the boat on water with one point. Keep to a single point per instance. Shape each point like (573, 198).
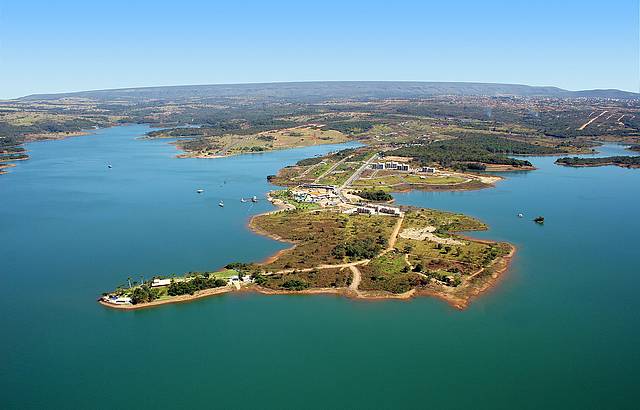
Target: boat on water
(109, 166)
(199, 191)
(221, 204)
(254, 199)
(539, 220)
(243, 200)
(520, 216)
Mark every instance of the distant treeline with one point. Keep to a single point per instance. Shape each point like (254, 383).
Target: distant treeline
(473, 149)
(309, 161)
(630, 161)
(350, 126)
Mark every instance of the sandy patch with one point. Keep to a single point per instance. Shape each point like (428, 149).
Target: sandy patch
(426, 233)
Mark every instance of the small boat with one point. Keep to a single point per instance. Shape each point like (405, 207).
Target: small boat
(539, 220)
(254, 199)
(243, 200)
(109, 166)
(221, 204)
(520, 216)
(199, 191)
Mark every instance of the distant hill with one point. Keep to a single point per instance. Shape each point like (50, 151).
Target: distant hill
(322, 91)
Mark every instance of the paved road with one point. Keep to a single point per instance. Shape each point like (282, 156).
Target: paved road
(358, 172)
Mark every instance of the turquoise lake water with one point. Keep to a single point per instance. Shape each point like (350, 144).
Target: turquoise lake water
(561, 330)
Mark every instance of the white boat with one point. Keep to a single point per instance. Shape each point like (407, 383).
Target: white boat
(109, 166)
(243, 200)
(199, 191)
(520, 215)
(220, 204)
(254, 199)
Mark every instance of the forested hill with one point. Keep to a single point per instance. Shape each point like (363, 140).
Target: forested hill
(319, 91)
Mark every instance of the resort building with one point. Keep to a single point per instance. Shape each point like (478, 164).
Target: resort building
(428, 170)
(371, 209)
(160, 282)
(377, 165)
(117, 300)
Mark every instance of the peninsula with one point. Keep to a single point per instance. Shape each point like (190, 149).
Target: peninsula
(348, 238)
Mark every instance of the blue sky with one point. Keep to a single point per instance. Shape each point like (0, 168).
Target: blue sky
(58, 46)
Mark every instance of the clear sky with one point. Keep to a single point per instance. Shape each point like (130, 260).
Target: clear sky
(58, 46)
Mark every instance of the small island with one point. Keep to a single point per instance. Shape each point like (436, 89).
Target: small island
(620, 161)
(348, 238)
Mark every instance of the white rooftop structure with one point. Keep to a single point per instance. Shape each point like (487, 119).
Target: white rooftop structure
(160, 282)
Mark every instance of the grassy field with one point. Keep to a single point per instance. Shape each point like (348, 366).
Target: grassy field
(339, 175)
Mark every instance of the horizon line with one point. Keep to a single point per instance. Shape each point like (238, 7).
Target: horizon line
(310, 82)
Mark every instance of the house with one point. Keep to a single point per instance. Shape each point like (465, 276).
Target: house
(364, 210)
(377, 165)
(160, 282)
(428, 170)
(390, 165)
(117, 300)
(389, 210)
(402, 167)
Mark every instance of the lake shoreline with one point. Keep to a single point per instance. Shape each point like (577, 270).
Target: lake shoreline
(459, 303)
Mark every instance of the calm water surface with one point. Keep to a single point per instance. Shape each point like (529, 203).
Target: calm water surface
(560, 331)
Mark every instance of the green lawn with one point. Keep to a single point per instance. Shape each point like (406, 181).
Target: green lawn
(225, 274)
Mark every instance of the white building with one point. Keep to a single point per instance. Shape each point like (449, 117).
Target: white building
(160, 282)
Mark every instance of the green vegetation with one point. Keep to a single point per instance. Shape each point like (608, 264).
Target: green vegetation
(309, 161)
(295, 284)
(243, 119)
(324, 237)
(359, 248)
(350, 126)
(621, 161)
(296, 281)
(475, 149)
(198, 282)
(377, 195)
(144, 294)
